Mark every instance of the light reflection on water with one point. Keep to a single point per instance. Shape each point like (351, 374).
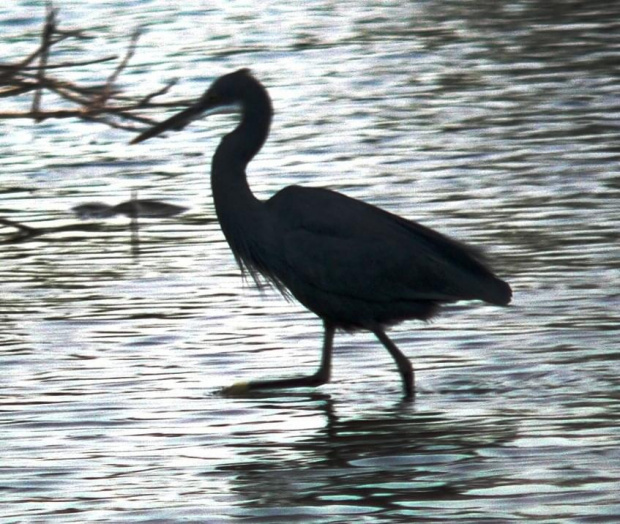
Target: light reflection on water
(496, 125)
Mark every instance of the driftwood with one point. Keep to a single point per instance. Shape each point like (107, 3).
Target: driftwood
(134, 209)
(103, 103)
(24, 232)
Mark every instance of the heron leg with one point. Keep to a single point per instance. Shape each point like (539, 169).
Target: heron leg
(405, 367)
(317, 379)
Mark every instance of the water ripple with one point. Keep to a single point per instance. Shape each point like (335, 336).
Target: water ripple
(493, 122)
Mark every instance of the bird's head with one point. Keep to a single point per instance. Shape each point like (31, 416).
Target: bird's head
(225, 94)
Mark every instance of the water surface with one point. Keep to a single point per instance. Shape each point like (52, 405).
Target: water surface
(496, 124)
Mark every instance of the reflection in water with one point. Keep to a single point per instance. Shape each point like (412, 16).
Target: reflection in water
(399, 463)
(402, 462)
(143, 208)
(494, 122)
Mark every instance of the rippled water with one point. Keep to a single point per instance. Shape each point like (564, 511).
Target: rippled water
(494, 122)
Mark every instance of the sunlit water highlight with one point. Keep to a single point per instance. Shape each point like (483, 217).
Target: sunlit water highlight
(495, 124)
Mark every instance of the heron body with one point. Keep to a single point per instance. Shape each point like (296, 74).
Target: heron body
(354, 265)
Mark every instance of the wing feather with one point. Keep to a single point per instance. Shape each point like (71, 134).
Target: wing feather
(347, 247)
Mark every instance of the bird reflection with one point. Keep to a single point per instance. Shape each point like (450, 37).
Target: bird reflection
(141, 208)
(375, 462)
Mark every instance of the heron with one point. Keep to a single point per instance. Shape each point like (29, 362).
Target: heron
(355, 265)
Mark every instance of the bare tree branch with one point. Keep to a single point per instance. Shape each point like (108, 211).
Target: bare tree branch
(109, 85)
(102, 103)
(145, 101)
(66, 64)
(24, 232)
(48, 31)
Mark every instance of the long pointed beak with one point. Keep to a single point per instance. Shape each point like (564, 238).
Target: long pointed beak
(176, 122)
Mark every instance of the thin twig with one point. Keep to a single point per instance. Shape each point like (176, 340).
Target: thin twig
(16, 225)
(16, 91)
(43, 115)
(109, 85)
(48, 31)
(73, 33)
(69, 64)
(25, 232)
(95, 103)
(145, 101)
(117, 125)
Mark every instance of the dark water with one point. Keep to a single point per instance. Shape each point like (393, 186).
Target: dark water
(495, 122)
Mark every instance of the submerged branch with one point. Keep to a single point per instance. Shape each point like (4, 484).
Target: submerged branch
(24, 232)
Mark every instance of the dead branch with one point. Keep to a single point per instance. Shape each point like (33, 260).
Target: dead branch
(67, 64)
(102, 103)
(24, 232)
(109, 85)
(147, 99)
(48, 30)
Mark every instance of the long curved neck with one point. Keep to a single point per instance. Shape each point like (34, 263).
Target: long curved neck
(237, 148)
(242, 144)
(237, 208)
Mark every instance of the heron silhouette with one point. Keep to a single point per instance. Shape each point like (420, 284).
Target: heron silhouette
(354, 265)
